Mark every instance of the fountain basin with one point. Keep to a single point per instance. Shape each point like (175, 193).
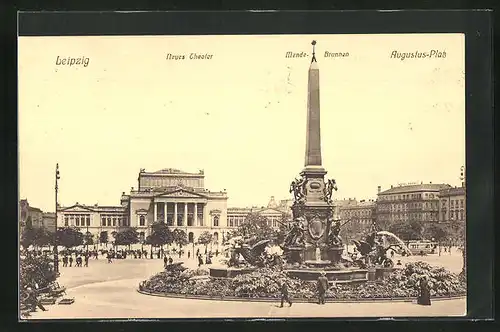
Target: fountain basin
(229, 272)
(318, 264)
(339, 276)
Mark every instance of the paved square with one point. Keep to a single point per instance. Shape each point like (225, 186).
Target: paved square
(109, 291)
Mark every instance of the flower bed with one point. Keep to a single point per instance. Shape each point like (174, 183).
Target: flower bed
(264, 283)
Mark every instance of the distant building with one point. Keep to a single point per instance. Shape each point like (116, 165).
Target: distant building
(358, 215)
(29, 216)
(49, 221)
(411, 202)
(452, 207)
(274, 213)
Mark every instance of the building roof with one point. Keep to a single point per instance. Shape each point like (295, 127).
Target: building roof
(456, 191)
(49, 215)
(272, 203)
(415, 188)
(171, 171)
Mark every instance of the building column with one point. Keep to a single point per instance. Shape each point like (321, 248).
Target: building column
(165, 212)
(205, 223)
(185, 221)
(156, 211)
(195, 221)
(175, 214)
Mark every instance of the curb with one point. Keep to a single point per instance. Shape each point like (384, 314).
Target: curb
(296, 300)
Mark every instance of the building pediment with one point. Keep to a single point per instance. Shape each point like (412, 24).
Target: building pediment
(180, 193)
(269, 211)
(76, 208)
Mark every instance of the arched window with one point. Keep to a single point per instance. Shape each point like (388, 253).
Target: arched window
(142, 221)
(216, 221)
(191, 237)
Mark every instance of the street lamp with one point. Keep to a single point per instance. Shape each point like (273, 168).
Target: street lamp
(56, 251)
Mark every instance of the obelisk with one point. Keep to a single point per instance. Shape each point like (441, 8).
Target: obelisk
(313, 135)
(313, 172)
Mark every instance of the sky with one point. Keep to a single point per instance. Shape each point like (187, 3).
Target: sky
(240, 116)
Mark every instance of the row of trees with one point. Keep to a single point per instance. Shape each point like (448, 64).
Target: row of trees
(441, 233)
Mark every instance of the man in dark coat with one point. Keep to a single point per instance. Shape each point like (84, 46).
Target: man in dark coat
(165, 261)
(424, 297)
(33, 301)
(70, 260)
(284, 293)
(87, 260)
(322, 287)
(170, 260)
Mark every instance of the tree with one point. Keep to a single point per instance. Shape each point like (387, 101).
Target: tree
(180, 237)
(103, 237)
(44, 237)
(88, 239)
(205, 238)
(256, 228)
(69, 237)
(127, 237)
(28, 236)
(407, 231)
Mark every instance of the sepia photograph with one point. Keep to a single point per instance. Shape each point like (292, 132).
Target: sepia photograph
(242, 176)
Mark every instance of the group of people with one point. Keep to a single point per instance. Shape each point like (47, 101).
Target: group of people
(424, 295)
(78, 260)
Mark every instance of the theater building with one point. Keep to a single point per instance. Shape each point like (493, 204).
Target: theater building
(177, 198)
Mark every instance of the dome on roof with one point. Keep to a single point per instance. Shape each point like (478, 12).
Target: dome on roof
(272, 203)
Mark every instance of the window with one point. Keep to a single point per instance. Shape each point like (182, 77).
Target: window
(114, 221)
(88, 221)
(103, 221)
(216, 221)
(77, 221)
(109, 221)
(66, 221)
(142, 221)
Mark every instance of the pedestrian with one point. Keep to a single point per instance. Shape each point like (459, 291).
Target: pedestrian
(65, 261)
(322, 287)
(70, 260)
(109, 258)
(170, 260)
(180, 254)
(86, 260)
(399, 262)
(216, 252)
(392, 253)
(205, 250)
(33, 301)
(284, 293)
(189, 254)
(165, 262)
(158, 254)
(200, 261)
(197, 252)
(424, 297)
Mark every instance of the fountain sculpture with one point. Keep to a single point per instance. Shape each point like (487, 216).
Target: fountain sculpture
(312, 244)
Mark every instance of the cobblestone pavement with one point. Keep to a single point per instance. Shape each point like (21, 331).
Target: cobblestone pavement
(109, 291)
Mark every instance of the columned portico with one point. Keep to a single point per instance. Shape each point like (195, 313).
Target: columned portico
(186, 213)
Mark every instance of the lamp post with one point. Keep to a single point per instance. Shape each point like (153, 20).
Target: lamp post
(56, 250)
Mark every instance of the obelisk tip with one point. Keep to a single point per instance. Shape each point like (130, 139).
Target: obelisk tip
(314, 54)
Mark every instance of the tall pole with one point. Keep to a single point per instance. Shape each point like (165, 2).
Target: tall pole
(56, 250)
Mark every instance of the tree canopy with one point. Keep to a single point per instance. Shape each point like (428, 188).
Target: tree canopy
(180, 237)
(205, 238)
(127, 237)
(412, 230)
(36, 236)
(69, 237)
(161, 235)
(103, 237)
(256, 227)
